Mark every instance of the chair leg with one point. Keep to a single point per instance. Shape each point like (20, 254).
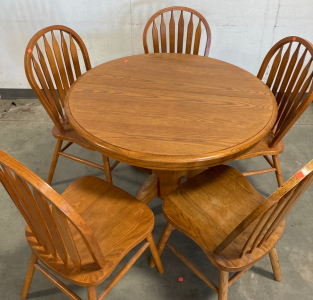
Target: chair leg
(107, 168)
(163, 239)
(275, 264)
(223, 285)
(92, 293)
(29, 275)
(279, 175)
(54, 160)
(155, 253)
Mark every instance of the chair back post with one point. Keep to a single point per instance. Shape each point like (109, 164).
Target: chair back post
(49, 224)
(271, 213)
(52, 70)
(191, 38)
(288, 63)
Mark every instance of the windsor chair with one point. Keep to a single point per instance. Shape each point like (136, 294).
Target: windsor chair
(287, 68)
(82, 234)
(50, 73)
(169, 45)
(233, 224)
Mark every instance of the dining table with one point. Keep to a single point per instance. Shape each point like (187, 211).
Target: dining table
(170, 114)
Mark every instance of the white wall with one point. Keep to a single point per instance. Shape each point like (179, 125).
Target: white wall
(242, 31)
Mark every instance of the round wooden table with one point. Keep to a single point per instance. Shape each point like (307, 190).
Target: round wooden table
(172, 113)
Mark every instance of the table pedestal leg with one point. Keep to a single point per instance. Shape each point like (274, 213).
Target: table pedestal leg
(168, 181)
(193, 173)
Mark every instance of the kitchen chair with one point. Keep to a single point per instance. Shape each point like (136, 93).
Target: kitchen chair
(51, 75)
(286, 69)
(233, 224)
(80, 235)
(169, 44)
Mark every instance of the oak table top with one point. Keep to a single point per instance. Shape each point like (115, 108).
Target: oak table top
(170, 111)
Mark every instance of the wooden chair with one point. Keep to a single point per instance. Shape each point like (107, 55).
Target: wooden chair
(51, 78)
(169, 45)
(83, 234)
(287, 65)
(233, 224)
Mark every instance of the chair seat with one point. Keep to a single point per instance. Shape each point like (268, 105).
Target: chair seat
(118, 220)
(262, 148)
(208, 207)
(70, 135)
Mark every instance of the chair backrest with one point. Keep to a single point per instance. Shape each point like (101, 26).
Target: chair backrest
(271, 213)
(169, 45)
(48, 223)
(50, 71)
(287, 67)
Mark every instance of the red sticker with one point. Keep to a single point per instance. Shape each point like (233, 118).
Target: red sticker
(299, 175)
(29, 50)
(180, 279)
(294, 38)
(126, 60)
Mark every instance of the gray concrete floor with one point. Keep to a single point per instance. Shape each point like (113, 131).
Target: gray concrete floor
(26, 135)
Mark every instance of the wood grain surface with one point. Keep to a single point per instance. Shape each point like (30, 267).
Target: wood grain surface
(82, 234)
(170, 111)
(233, 223)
